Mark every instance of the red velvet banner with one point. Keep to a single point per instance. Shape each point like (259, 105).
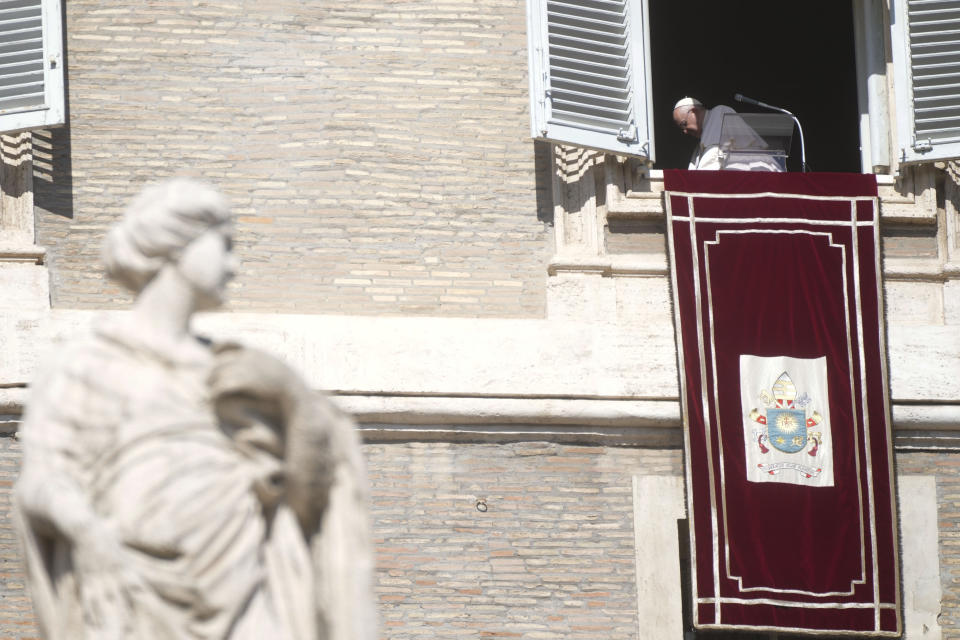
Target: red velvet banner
(779, 318)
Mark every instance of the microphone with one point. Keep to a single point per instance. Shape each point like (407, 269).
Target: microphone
(739, 97)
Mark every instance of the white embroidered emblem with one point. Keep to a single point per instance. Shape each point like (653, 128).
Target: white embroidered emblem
(786, 425)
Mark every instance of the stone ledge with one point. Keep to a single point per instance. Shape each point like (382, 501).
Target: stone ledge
(446, 410)
(639, 264)
(598, 421)
(611, 264)
(22, 253)
(656, 424)
(609, 365)
(501, 434)
(643, 200)
(12, 399)
(918, 269)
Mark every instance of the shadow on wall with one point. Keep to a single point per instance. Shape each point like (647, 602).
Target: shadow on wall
(16, 150)
(53, 171)
(52, 163)
(543, 168)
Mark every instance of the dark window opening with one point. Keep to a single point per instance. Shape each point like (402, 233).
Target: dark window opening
(799, 56)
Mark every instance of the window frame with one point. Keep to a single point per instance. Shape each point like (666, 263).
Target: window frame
(886, 128)
(53, 110)
(543, 126)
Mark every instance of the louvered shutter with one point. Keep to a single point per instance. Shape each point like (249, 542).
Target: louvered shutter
(926, 56)
(589, 79)
(31, 67)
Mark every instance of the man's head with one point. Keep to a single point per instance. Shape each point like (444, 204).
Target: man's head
(688, 116)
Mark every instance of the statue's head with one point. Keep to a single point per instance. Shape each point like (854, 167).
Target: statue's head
(178, 222)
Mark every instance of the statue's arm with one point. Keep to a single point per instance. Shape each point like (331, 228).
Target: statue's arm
(312, 455)
(306, 422)
(53, 503)
(49, 491)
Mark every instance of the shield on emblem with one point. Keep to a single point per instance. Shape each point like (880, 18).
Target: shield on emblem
(787, 429)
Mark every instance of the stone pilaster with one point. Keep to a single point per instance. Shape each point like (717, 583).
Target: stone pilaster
(24, 280)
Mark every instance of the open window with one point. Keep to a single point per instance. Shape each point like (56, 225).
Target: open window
(31, 65)
(801, 57)
(604, 74)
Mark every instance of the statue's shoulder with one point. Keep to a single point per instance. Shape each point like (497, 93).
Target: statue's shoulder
(74, 357)
(82, 370)
(63, 389)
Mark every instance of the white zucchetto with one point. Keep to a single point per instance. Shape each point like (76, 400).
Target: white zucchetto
(687, 102)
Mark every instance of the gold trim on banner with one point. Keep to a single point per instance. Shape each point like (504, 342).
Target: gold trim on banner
(861, 353)
(828, 236)
(812, 223)
(887, 415)
(714, 522)
(770, 194)
(798, 605)
(684, 410)
(809, 632)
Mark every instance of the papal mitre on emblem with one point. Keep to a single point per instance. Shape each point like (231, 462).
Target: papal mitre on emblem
(784, 391)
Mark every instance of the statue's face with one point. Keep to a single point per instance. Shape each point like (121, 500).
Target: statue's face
(208, 264)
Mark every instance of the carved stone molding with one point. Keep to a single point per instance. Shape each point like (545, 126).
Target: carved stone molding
(578, 197)
(16, 190)
(594, 192)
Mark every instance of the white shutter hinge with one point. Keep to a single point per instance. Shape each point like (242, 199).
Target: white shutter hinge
(630, 135)
(546, 97)
(922, 146)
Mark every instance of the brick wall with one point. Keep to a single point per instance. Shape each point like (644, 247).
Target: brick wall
(552, 557)
(376, 153)
(16, 614)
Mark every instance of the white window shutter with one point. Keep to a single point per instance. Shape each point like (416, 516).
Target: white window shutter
(589, 74)
(31, 65)
(925, 36)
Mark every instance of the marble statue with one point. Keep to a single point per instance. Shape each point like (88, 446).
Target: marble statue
(176, 487)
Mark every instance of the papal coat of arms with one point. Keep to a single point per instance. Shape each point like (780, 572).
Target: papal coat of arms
(788, 436)
(785, 425)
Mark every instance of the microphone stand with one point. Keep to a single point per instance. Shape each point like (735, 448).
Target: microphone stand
(739, 97)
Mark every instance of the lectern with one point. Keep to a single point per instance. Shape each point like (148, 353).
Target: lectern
(755, 141)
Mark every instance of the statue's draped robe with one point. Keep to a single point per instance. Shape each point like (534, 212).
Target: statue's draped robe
(136, 434)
